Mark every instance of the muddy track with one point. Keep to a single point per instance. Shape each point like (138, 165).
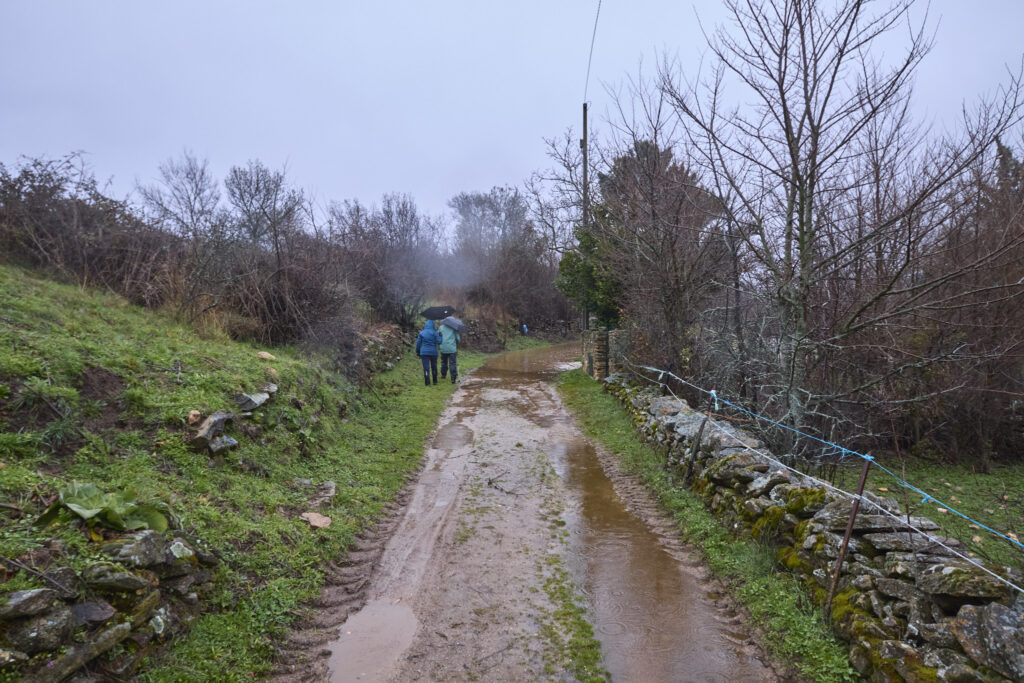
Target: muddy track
(302, 657)
(453, 583)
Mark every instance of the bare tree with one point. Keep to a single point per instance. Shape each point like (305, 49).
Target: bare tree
(836, 195)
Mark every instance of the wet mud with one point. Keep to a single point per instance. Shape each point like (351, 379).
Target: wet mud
(450, 587)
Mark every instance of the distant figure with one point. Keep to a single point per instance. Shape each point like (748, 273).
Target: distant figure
(449, 348)
(427, 343)
(525, 331)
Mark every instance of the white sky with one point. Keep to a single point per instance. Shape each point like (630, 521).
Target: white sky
(363, 98)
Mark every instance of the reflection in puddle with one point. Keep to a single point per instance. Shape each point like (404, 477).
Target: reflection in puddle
(370, 638)
(647, 608)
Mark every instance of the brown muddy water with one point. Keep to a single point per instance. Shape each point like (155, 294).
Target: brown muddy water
(475, 527)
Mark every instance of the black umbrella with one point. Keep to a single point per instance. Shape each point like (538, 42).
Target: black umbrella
(455, 324)
(437, 312)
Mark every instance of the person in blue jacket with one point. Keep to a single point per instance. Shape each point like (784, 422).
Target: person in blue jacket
(449, 350)
(427, 343)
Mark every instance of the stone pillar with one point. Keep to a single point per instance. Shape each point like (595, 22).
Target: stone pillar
(595, 352)
(618, 347)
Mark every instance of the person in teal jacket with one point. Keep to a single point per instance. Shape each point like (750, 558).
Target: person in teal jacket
(449, 348)
(427, 343)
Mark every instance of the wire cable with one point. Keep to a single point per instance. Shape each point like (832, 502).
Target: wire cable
(590, 57)
(726, 429)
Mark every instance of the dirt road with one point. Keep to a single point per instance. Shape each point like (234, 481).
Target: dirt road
(512, 523)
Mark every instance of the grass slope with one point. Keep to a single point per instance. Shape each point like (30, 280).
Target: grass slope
(794, 629)
(96, 390)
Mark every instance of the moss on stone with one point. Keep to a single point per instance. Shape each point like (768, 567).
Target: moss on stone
(791, 560)
(799, 500)
(768, 525)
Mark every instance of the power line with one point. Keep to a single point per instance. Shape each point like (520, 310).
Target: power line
(590, 57)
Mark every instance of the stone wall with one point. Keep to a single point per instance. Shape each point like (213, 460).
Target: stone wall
(908, 608)
(145, 593)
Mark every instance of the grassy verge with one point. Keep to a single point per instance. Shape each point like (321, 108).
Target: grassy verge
(794, 630)
(995, 499)
(96, 390)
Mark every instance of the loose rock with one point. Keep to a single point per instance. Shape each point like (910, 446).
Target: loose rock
(27, 603)
(40, 633)
(316, 520)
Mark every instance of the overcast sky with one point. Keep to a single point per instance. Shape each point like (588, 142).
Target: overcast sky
(362, 98)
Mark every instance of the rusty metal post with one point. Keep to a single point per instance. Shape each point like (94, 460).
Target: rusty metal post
(846, 540)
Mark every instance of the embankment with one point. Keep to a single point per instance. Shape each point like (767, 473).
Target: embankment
(171, 556)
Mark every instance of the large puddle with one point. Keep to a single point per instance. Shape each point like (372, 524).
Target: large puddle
(650, 610)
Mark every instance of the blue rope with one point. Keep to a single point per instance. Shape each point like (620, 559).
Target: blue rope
(844, 451)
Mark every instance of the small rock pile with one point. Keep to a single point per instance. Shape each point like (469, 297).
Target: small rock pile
(147, 593)
(210, 434)
(910, 609)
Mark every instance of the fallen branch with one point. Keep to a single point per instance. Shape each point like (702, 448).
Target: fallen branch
(19, 565)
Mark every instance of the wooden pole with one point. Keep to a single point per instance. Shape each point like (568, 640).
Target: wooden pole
(846, 540)
(586, 197)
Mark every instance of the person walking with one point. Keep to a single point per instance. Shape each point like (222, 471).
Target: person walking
(427, 343)
(449, 348)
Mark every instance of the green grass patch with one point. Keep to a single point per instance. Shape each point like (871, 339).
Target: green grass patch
(995, 499)
(97, 390)
(794, 630)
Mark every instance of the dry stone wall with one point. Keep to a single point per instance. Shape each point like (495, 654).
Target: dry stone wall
(908, 608)
(147, 591)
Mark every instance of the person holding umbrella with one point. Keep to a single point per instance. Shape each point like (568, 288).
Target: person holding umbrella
(450, 328)
(427, 343)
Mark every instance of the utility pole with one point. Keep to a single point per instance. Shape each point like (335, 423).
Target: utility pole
(586, 194)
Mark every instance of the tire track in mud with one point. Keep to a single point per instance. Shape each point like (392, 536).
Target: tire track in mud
(303, 655)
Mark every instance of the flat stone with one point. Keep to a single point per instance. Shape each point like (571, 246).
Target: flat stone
(11, 658)
(251, 401)
(316, 520)
(27, 603)
(915, 543)
(961, 580)
(766, 482)
(828, 544)
(993, 636)
(895, 588)
(91, 613)
(105, 577)
(144, 549)
(43, 632)
(837, 520)
(80, 655)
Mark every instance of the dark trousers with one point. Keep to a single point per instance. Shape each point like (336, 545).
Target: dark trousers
(429, 368)
(448, 361)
